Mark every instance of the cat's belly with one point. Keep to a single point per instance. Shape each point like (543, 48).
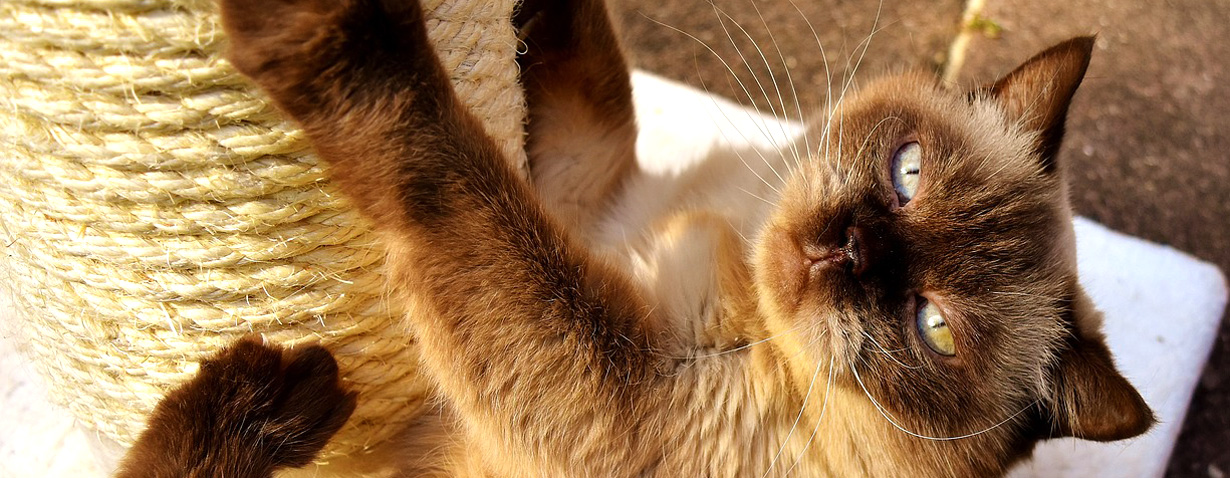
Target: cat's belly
(684, 240)
(679, 266)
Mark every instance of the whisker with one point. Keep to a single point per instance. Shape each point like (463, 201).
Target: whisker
(746, 346)
(768, 68)
(865, 44)
(719, 13)
(738, 230)
(794, 93)
(828, 78)
(726, 65)
(867, 138)
(797, 418)
(887, 416)
(722, 17)
(746, 140)
(890, 354)
(816, 334)
(751, 118)
(766, 201)
(823, 408)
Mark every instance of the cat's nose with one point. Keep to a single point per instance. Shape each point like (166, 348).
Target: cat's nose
(855, 249)
(849, 251)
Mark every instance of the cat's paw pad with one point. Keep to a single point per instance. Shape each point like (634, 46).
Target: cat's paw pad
(282, 404)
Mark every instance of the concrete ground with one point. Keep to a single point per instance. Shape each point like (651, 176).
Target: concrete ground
(1148, 136)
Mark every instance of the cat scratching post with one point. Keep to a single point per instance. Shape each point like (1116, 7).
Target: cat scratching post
(153, 207)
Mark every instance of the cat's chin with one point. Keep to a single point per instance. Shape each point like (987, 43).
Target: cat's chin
(798, 287)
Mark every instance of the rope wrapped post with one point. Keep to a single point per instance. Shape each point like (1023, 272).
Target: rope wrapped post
(154, 208)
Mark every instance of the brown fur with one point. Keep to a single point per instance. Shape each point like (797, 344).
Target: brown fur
(251, 410)
(556, 354)
(577, 86)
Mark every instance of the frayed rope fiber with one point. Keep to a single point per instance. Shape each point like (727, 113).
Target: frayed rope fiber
(154, 207)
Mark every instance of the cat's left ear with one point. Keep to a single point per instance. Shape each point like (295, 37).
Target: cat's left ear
(1090, 399)
(1038, 92)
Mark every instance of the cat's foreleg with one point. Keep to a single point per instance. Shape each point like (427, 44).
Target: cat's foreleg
(581, 128)
(541, 349)
(250, 410)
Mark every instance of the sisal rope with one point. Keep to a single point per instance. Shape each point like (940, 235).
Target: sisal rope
(154, 208)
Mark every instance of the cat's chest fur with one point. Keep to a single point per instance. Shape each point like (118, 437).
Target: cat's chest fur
(684, 239)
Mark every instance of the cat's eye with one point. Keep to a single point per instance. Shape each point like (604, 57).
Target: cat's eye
(907, 166)
(933, 329)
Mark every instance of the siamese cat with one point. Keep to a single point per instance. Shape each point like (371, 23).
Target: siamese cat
(899, 299)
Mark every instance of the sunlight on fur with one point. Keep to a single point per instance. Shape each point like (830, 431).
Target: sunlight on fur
(760, 314)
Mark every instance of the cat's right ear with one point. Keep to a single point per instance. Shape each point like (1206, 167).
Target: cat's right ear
(1089, 398)
(1092, 400)
(1037, 93)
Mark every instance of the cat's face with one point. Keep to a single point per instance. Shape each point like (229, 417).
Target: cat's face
(861, 255)
(926, 248)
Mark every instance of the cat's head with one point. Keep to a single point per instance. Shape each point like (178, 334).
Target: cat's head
(927, 248)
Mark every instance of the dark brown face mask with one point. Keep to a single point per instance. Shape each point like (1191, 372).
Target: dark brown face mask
(937, 250)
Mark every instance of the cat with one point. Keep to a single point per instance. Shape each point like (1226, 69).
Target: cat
(900, 298)
(250, 410)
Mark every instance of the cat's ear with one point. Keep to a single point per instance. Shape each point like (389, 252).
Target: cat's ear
(1038, 92)
(1090, 399)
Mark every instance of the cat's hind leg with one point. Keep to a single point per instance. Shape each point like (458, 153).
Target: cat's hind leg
(251, 410)
(581, 138)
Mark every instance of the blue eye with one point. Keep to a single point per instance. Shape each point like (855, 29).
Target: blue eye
(907, 168)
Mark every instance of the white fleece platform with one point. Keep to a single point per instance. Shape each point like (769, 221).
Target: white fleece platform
(1162, 311)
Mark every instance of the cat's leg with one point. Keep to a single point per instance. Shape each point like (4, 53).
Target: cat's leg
(581, 139)
(543, 351)
(250, 410)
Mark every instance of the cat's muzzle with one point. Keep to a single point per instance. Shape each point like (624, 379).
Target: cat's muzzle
(850, 255)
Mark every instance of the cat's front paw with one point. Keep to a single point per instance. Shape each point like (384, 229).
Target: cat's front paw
(295, 395)
(307, 53)
(250, 410)
(286, 403)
